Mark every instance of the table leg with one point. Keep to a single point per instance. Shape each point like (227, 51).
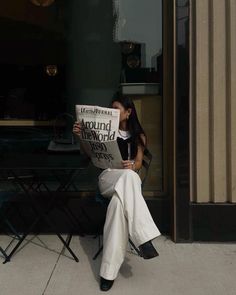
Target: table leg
(42, 214)
(8, 258)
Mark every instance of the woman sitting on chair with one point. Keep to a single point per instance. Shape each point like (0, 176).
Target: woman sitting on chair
(127, 213)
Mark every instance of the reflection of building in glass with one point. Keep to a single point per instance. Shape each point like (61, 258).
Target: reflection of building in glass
(133, 25)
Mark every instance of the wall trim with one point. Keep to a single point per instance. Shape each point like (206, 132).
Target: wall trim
(213, 222)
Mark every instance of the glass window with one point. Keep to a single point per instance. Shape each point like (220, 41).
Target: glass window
(119, 43)
(78, 51)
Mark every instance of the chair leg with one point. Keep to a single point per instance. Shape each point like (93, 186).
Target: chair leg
(68, 239)
(98, 252)
(11, 227)
(3, 253)
(13, 234)
(135, 248)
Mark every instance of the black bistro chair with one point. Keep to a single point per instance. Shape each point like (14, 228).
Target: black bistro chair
(143, 172)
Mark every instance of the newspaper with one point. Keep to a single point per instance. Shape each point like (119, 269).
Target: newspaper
(99, 133)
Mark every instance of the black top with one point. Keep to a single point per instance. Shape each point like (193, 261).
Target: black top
(124, 147)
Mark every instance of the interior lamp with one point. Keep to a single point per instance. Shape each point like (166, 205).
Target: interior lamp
(51, 70)
(42, 3)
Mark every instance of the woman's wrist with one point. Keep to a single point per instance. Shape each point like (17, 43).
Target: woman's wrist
(133, 165)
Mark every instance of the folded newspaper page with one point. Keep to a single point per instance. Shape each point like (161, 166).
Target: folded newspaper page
(98, 135)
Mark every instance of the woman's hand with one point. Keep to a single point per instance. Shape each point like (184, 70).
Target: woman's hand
(128, 164)
(77, 128)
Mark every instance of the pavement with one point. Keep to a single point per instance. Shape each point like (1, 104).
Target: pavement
(42, 267)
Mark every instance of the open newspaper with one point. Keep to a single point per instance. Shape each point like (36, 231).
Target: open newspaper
(98, 135)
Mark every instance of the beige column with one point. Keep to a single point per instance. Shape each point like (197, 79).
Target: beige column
(213, 100)
(218, 100)
(202, 102)
(231, 98)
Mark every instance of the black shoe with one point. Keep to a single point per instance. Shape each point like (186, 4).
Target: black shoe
(105, 285)
(148, 251)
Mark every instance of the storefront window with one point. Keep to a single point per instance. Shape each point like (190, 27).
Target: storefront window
(82, 52)
(119, 44)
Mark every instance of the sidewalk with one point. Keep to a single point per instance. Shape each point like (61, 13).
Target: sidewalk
(39, 268)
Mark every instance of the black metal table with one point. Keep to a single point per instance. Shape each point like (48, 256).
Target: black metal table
(33, 174)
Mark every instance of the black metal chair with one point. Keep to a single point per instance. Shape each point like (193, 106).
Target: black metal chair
(143, 172)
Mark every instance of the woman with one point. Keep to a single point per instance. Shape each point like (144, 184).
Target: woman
(127, 213)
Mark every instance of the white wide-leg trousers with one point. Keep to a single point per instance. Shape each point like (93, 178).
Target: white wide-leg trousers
(127, 215)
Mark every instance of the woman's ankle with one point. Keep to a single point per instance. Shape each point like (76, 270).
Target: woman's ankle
(148, 251)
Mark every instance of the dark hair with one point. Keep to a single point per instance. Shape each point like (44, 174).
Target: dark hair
(133, 123)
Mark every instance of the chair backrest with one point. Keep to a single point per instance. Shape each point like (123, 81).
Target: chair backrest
(63, 126)
(147, 159)
(64, 140)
